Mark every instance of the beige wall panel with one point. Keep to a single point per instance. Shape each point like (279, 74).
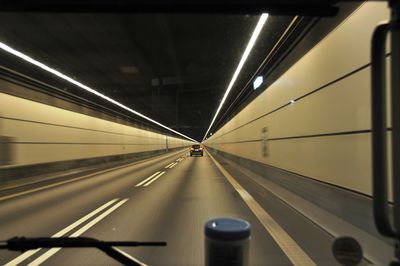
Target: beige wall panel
(28, 110)
(38, 153)
(34, 132)
(59, 143)
(344, 106)
(339, 160)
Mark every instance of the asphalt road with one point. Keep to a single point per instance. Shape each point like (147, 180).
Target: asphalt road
(148, 202)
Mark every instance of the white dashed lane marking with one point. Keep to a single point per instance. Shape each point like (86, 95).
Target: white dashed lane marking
(147, 179)
(154, 179)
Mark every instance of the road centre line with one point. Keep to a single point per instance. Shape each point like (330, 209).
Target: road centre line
(173, 165)
(29, 253)
(52, 251)
(144, 181)
(291, 249)
(154, 179)
(169, 165)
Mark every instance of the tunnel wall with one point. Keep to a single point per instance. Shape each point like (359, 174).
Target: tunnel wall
(325, 134)
(34, 133)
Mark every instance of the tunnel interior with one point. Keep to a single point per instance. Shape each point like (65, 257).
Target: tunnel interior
(104, 106)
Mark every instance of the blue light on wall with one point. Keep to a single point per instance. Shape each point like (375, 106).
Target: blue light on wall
(257, 82)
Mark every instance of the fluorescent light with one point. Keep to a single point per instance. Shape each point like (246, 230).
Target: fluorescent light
(252, 41)
(257, 82)
(82, 86)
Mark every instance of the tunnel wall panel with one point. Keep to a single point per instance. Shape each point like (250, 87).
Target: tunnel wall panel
(42, 134)
(325, 133)
(338, 160)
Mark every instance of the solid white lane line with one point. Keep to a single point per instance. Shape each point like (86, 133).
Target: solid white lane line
(22, 257)
(98, 218)
(52, 251)
(169, 165)
(132, 258)
(144, 181)
(154, 179)
(173, 165)
(292, 250)
(29, 253)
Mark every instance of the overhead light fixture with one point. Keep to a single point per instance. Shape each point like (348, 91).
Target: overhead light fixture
(252, 41)
(257, 82)
(82, 86)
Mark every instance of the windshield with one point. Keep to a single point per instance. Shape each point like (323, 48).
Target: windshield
(99, 112)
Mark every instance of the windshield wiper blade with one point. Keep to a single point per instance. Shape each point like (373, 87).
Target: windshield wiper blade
(24, 243)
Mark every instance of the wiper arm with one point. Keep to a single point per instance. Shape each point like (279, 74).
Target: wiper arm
(24, 243)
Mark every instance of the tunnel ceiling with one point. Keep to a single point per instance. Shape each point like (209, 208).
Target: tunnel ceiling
(173, 68)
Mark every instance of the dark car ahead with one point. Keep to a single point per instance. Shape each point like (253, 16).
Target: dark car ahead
(196, 150)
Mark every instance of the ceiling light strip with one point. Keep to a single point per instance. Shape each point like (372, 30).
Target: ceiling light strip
(82, 86)
(254, 36)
